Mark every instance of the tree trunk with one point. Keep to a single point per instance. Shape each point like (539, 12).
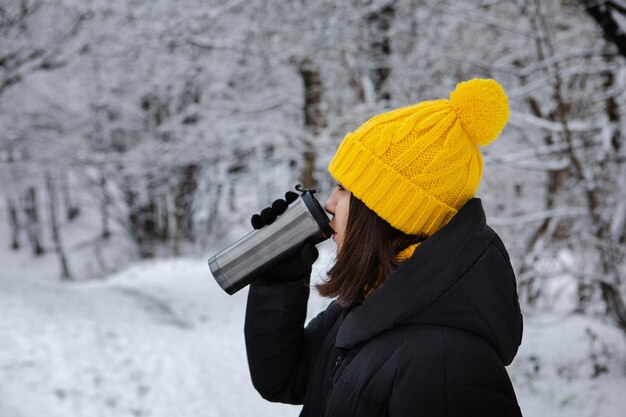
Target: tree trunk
(214, 209)
(164, 231)
(379, 45)
(149, 226)
(556, 180)
(184, 193)
(72, 210)
(184, 203)
(615, 304)
(56, 236)
(104, 207)
(612, 256)
(313, 119)
(14, 224)
(140, 221)
(33, 226)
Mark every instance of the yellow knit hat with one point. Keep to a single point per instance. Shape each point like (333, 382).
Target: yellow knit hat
(417, 166)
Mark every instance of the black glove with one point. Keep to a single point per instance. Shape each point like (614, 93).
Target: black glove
(296, 266)
(269, 214)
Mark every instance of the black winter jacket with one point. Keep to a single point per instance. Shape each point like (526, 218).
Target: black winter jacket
(433, 340)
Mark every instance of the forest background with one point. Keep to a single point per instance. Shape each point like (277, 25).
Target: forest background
(136, 135)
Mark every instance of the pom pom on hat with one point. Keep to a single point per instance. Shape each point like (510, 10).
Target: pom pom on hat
(483, 108)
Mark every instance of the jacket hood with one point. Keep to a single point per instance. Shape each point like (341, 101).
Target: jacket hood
(460, 277)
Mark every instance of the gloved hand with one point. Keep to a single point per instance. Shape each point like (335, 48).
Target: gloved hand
(296, 266)
(269, 214)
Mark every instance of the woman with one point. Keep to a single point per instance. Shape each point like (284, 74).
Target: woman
(426, 314)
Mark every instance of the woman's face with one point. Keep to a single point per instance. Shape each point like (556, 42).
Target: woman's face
(338, 205)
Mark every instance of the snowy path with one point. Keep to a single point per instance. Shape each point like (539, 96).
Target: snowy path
(159, 339)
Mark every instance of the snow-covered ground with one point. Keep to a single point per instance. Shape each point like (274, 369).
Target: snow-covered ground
(161, 338)
(158, 339)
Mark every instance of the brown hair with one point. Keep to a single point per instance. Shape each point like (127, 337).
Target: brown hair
(368, 252)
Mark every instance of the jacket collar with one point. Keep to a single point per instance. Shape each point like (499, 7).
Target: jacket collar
(434, 267)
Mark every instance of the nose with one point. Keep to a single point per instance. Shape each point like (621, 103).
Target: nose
(329, 205)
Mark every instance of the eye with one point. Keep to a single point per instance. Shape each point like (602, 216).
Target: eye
(340, 187)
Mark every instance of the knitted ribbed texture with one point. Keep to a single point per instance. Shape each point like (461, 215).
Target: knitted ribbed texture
(406, 253)
(417, 166)
(400, 257)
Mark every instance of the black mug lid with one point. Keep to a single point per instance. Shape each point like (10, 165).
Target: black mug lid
(316, 210)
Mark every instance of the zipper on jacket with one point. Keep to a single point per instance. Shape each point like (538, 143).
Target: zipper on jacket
(337, 365)
(331, 378)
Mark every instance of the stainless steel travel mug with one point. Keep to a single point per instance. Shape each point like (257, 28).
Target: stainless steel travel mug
(304, 221)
